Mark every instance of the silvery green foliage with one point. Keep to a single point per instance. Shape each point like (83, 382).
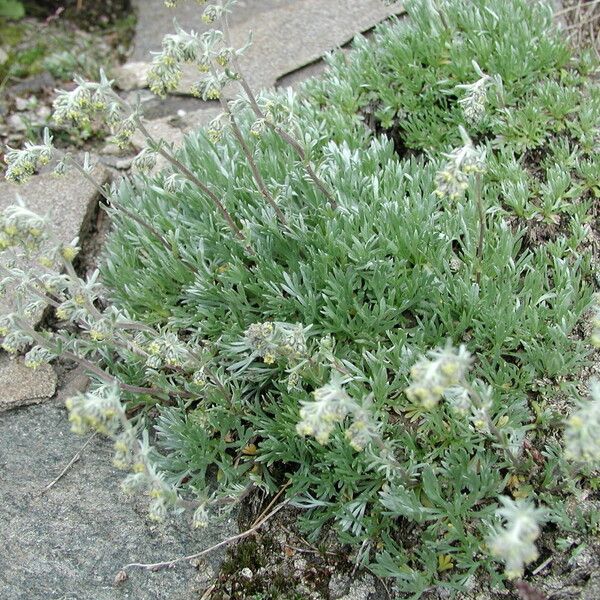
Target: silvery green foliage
(230, 341)
(335, 272)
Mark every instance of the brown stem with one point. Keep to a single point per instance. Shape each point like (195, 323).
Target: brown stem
(42, 341)
(286, 137)
(481, 213)
(253, 167)
(195, 180)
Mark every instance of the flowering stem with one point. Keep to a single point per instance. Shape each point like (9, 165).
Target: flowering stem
(482, 224)
(111, 201)
(253, 167)
(499, 436)
(286, 137)
(103, 375)
(195, 180)
(30, 288)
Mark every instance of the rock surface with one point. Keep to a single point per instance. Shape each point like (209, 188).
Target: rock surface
(131, 75)
(71, 542)
(71, 203)
(20, 385)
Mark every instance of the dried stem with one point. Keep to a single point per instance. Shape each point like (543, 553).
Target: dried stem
(240, 536)
(158, 147)
(260, 184)
(69, 465)
(482, 223)
(286, 137)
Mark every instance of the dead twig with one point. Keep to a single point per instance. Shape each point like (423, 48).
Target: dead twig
(69, 465)
(258, 523)
(564, 11)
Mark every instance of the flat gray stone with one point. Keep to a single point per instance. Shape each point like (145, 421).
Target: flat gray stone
(20, 385)
(71, 542)
(199, 118)
(158, 129)
(131, 75)
(70, 201)
(172, 130)
(299, 34)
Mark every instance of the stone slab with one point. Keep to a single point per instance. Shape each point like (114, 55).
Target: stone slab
(172, 129)
(296, 35)
(20, 385)
(70, 202)
(131, 75)
(70, 542)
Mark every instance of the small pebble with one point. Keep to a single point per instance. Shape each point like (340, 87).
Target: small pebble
(21, 103)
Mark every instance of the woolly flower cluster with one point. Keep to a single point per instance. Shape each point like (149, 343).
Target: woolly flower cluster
(145, 477)
(20, 226)
(38, 356)
(183, 47)
(474, 101)
(88, 101)
(595, 338)
(273, 341)
(582, 436)
(94, 101)
(434, 375)
(166, 350)
(453, 179)
(23, 163)
(514, 542)
(13, 339)
(363, 430)
(99, 410)
(330, 406)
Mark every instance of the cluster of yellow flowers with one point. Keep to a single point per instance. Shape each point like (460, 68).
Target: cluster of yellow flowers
(99, 410)
(22, 164)
(434, 375)
(453, 179)
(276, 340)
(582, 436)
(515, 542)
(330, 406)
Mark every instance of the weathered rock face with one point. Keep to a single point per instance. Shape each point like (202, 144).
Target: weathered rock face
(20, 385)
